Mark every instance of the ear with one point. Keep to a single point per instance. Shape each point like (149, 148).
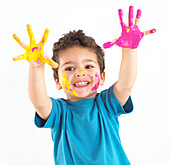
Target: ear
(58, 85)
(102, 78)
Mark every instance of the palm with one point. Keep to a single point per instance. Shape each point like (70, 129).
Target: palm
(131, 35)
(34, 52)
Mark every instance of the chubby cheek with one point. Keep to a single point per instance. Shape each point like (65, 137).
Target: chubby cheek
(96, 79)
(66, 85)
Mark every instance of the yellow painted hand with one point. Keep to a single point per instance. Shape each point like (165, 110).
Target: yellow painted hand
(34, 52)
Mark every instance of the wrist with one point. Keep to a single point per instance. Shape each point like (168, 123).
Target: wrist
(36, 64)
(129, 51)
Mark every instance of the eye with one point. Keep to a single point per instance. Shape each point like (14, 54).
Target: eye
(69, 69)
(88, 66)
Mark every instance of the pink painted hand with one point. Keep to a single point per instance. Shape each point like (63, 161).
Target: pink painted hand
(131, 35)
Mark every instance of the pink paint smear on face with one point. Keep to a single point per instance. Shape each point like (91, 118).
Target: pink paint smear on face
(96, 85)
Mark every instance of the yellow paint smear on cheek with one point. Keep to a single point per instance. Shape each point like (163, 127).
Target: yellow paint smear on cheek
(66, 85)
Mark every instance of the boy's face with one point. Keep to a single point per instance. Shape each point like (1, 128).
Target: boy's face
(79, 73)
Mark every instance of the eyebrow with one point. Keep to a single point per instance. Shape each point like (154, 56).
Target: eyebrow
(72, 62)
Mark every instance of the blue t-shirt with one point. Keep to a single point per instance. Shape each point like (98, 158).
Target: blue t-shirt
(86, 132)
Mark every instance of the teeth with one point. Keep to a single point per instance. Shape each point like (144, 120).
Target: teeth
(81, 83)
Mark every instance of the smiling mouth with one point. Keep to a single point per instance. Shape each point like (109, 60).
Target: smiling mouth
(81, 84)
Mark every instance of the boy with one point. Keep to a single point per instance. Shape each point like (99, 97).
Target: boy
(85, 127)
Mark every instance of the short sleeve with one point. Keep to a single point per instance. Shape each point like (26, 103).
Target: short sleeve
(128, 107)
(113, 106)
(53, 118)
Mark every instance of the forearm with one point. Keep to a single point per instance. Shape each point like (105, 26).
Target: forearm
(128, 68)
(37, 87)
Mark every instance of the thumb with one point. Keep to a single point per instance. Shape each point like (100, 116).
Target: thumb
(109, 44)
(46, 56)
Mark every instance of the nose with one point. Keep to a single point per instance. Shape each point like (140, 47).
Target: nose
(79, 73)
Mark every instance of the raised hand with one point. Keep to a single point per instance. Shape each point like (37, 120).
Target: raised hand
(131, 35)
(34, 52)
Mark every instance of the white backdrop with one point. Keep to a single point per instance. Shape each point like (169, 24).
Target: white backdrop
(145, 133)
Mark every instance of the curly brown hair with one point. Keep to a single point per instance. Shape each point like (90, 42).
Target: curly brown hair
(77, 38)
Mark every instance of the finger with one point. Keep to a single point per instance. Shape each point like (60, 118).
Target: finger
(21, 57)
(44, 58)
(52, 64)
(21, 43)
(121, 17)
(149, 32)
(44, 38)
(31, 35)
(109, 44)
(130, 16)
(138, 15)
